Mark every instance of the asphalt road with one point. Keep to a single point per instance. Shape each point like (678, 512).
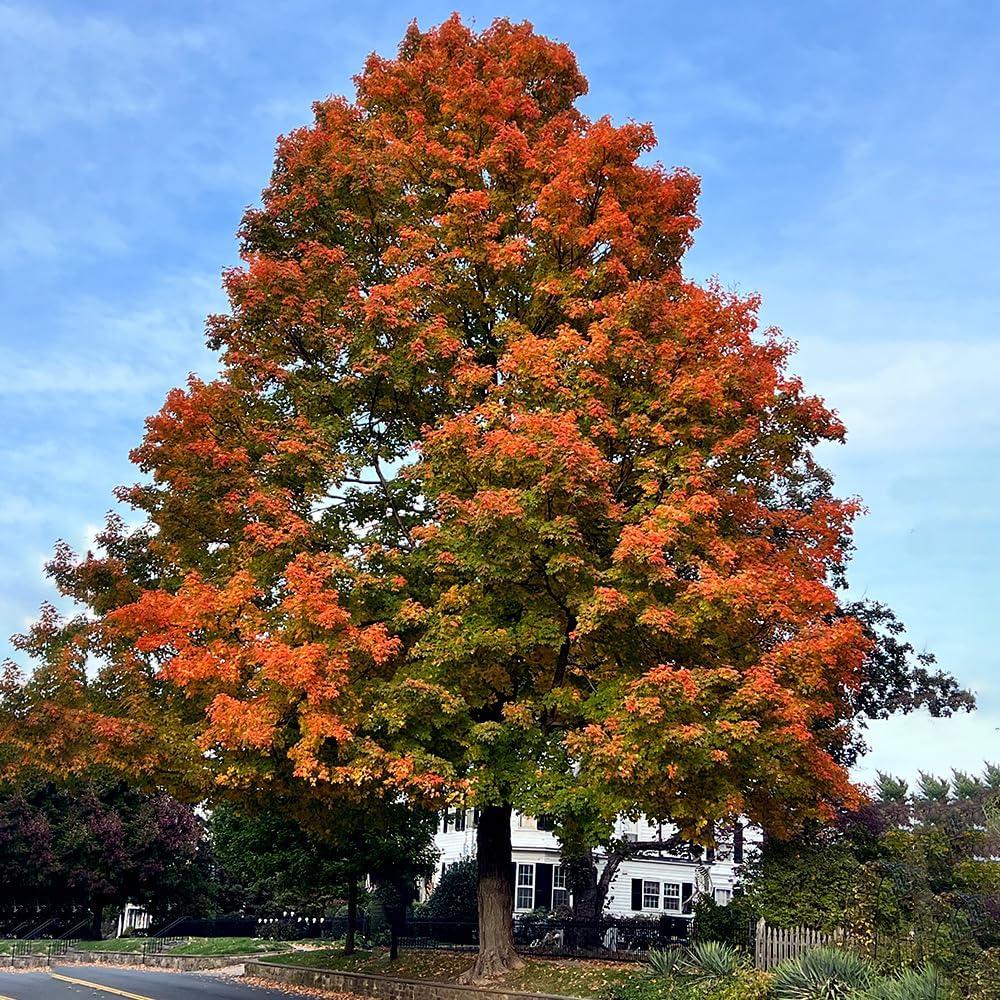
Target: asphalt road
(90, 982)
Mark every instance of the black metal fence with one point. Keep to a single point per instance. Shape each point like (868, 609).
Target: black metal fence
(614, 938)
(228, 926)
(41, 926)
(617, 938)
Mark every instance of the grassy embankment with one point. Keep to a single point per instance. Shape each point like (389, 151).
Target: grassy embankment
(566, 977)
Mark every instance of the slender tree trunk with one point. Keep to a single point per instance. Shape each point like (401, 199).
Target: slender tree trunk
(96, 917)
(352, 915)
(495, 897)
(393, 939)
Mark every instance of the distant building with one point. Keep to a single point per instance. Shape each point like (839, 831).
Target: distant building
(650, 885)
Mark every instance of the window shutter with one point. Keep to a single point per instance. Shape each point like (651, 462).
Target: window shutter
(543, 886)
(513, 878)
(687, 891)
(447, 818)
(637, 894)
(738, 843)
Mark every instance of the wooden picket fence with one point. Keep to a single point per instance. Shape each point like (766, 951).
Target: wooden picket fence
(773, 945)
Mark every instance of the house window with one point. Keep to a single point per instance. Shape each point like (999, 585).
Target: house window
(459, 819)
(650, 895)
(672, 896)
(525, 899)
(546, 823)
(527, 822)
(723, 896)
(560, 888)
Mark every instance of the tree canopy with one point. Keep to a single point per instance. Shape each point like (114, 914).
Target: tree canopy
(68, 850)
(488, 502)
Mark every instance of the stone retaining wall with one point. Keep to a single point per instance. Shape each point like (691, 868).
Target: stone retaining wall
(182, 963)
(382, 987)
(23, 962)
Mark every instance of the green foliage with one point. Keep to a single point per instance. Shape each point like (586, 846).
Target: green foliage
(891, 789)
(269, 864)
(454, 897)
(713, 922)
(710, 961)
(743, 984)
(808, 884)
(642, 987)
(983, 981)
(966, 786)
(822, 974)
(708, 970)
(666, 961)
(282, 930)
(912, 984)
(933, 788)
(991, 777)
(912, 878)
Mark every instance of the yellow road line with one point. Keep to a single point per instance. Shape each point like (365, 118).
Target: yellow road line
(97, 986)
(2, 997)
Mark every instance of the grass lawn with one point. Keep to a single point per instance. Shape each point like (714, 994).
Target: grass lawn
(38, 946)
(196, 946)
(564, 976)
(228, 946)
(113, 944)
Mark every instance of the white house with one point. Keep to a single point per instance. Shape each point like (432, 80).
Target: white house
(651, 885)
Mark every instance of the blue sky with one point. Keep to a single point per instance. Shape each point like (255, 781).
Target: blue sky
(850, 159)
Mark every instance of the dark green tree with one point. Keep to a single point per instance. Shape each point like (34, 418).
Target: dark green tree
(454, 896)
(82, 846)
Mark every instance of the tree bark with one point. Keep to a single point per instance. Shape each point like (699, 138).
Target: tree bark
(96, 918)
(350, 933)
(590, 887)
(495, 897)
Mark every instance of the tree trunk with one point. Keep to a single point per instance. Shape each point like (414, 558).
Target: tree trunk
(393, 939)
(352, 915)
(96, 918)
(495, 897)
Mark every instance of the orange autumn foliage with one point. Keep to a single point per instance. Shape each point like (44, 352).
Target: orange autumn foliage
(489, 498)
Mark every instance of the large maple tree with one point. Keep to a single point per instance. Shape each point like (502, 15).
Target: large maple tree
(489, 501)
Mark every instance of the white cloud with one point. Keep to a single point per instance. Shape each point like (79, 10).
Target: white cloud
(110, 354)
(80, 67)
(33, 236)
(908, 394)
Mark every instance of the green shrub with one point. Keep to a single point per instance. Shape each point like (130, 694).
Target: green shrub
(665, 961)
(746, 984)
(642, 986)
(281, 930)
(710, 961)
(912, 984)
(455, 896)
(823, 974)
(714, 922)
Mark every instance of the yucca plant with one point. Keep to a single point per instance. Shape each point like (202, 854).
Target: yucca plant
(666, 961)
(823, 974)
(710, 961)
(913, 984)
